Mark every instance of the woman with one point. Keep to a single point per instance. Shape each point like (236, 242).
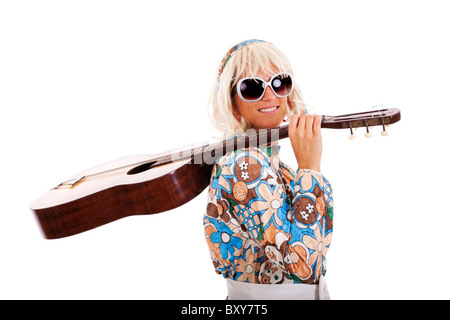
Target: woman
(268, 227)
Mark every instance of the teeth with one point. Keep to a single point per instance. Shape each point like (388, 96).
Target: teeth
(268, 109)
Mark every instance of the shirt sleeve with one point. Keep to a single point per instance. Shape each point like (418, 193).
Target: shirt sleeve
(278, 226)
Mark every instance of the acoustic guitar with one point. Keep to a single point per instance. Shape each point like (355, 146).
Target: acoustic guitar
(143, 184)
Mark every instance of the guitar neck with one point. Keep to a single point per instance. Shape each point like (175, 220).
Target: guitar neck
(253, 138)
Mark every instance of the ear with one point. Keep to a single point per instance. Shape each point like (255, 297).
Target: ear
(290, 105)
(236, 113)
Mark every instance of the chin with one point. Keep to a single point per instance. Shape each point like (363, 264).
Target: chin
(269, 125)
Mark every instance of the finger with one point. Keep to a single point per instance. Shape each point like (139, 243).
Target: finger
(293, 123)
(309, 124)
(302, 123)
(317, 124)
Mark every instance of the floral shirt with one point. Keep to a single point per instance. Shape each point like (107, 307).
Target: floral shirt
(264, 222)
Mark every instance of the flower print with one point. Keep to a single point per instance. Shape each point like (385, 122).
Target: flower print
(221, 180)
(304, 215)
(265, 279)
(249, 166)
(219, 209)
(269, 201)
(226, 268)
(268, 265)
(297, 261)
(213, 184)
(248, 267)
(308, 179)
(214, 250)
(228, 242)
(321, 205)
(273, 268)
(274, 255)
(320, 245)
(240, 191)
(287, 171)
(266, 223)
(212, 210)
(248, 220)
(243, 165)
(270, 273)
(328, 191)
(305, 209)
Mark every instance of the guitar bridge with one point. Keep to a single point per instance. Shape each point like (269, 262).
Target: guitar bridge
(70, 184)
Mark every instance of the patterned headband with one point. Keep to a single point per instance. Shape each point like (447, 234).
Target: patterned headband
(231, 53)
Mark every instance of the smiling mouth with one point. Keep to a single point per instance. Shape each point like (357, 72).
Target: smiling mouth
(268, 109)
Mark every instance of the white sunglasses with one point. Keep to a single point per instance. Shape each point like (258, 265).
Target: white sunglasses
(252, 89)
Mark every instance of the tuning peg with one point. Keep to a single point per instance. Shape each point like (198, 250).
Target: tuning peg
(384, 133)
(367, 134)
(351, 136)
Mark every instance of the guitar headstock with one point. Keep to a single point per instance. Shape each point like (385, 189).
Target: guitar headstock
(382, 117)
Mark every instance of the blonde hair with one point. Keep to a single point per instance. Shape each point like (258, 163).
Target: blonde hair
(248, 60)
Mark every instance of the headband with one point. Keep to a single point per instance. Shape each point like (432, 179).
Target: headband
(231, 52)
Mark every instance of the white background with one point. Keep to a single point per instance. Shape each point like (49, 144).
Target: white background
(84, 82)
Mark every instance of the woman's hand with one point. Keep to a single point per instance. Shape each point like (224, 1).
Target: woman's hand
(306, 140)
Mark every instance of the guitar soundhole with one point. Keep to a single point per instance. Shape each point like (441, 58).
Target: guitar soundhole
(142, 168)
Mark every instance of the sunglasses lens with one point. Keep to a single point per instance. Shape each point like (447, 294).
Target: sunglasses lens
(282, 84)
(251, 89)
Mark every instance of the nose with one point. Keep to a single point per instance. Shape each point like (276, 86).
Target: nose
(269, 95)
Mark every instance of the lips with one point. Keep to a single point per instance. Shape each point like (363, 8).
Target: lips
(268, 109)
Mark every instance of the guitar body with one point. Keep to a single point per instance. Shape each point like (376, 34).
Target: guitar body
(68, 210)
